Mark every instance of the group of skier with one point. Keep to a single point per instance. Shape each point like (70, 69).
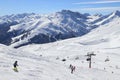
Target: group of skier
(16, 64)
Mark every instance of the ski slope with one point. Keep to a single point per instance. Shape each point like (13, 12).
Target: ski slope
(30, 67)
(44, 62)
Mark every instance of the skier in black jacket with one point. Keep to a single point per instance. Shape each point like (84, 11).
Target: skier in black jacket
(15, 64)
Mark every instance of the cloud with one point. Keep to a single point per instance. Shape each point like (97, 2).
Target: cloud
(99, 2)
(102, 8)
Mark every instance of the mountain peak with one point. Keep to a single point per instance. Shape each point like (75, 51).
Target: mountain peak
(116, 13)
(99, 15)
(67, 12)
(71, 13)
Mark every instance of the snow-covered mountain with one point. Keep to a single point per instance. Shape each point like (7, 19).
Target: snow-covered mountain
(51, 61)
(23, 29)
(34, 28)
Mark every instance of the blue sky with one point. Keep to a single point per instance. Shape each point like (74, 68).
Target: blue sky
(49, 6)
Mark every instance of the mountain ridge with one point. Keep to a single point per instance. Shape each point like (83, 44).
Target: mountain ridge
(35, 28)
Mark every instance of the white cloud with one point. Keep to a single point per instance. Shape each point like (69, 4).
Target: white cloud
(99, 2)
(102, 8)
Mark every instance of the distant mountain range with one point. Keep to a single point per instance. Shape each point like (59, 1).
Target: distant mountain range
(22, 29)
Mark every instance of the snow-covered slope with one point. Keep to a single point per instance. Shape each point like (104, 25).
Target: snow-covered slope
(31, 67)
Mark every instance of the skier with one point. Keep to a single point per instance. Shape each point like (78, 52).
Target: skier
(15, 66)
(72, 69)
